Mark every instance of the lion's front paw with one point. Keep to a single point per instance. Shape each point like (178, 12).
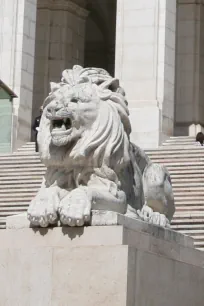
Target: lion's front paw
(43, 209)
(145, 213)
(75, 208)
(148, 215)
(159, 219)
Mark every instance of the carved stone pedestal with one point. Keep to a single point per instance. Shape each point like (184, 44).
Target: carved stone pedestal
(131, 263)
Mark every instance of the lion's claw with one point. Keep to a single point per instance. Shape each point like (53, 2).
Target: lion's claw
(43, 209)
(75, 208)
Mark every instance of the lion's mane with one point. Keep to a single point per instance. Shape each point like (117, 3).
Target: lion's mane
(104, 147)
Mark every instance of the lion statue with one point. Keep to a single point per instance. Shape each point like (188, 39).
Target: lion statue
(91, 164)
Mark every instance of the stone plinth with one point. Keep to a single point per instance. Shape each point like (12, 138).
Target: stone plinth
(112, 265)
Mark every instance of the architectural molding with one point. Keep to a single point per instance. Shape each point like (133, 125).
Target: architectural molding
(65, 5)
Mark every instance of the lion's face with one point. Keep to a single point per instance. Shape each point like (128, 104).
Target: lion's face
(71, 112)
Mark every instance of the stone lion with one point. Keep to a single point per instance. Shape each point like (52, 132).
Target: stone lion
(91, 163)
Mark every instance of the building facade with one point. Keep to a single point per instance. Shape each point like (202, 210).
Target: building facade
(155, 47)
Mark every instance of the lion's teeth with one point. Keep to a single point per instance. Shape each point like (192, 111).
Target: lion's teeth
(63, 128)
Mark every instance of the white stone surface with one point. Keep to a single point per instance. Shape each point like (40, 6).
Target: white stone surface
(91, 164)
(111, 265)
(145, 64)
(17, 36)
(110, 218)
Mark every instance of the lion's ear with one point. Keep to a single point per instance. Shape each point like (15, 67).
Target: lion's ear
(54, 86)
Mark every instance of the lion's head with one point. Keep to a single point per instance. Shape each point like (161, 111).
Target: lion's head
(85, 120)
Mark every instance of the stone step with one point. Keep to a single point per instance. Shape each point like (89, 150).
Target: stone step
(196, 208)
(176, 163)
(189, 191)
(187, 226)
(14, 204)
(191, 179)
(184, 170)
(23, 171)
(199, 238)
(16, 209)
(186, 203)
(178, 185)
(16, 197)
(172, 156)
(28, 166)
(18, 192)
(21, 162)
(11, 213)
(16, 157)
(180, 140)
(193, 232)
(19, 187)
(189, 214)
(176, 149)
(187, 221)
(171, 137)
(15, 180)
(198, 244)
(189, 164)
(182, 143)
(181, 199)
(26, 148)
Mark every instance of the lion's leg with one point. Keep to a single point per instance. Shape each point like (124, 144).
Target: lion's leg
(159, 202)
(103, 199)
(75, 208)
(43, 208)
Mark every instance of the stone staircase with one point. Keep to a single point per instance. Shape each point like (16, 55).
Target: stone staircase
(185, 162)
(21, 175)
(20, 178)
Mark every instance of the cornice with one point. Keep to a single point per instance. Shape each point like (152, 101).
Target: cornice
(65, 5)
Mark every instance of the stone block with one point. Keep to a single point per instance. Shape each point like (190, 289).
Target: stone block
(109, 218)
(118, 265)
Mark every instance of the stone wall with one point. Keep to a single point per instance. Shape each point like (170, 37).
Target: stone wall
(17, 36)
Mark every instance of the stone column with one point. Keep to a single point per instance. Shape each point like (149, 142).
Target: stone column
(17, 37)
(60, 38)
(145, 63)
(189, 113)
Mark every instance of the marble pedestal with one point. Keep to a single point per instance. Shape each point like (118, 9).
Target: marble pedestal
(129, 263)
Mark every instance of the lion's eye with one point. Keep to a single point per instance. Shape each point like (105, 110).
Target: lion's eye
(74, 100)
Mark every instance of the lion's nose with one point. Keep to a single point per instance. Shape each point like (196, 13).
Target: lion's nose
(53, 109)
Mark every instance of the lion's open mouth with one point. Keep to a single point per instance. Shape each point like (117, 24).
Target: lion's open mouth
(61, 126)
